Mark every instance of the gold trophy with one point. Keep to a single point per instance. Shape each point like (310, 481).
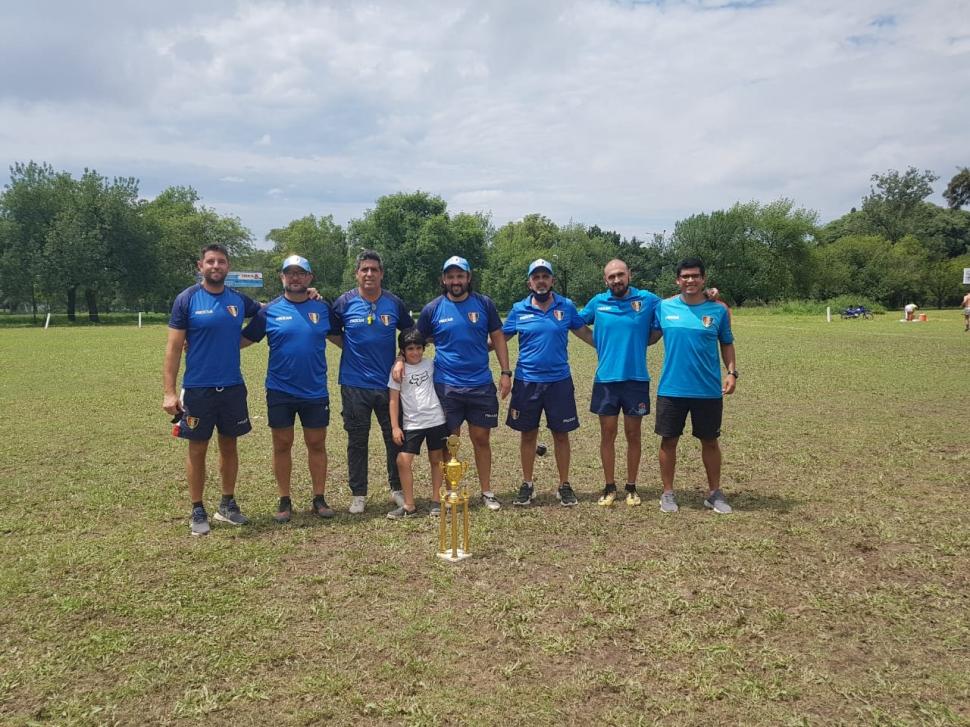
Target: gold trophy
(451, 501)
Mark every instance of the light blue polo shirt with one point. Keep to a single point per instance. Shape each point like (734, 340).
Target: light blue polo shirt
(692, 334)
(621, 332)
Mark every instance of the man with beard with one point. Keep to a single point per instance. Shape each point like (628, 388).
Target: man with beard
(462, 323)
(208, 317)
(296, 380)
(622, 320)
(543, 381)
(367, 321)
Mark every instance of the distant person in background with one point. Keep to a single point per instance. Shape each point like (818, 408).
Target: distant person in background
(208, 317)
(296, 380)
(910, 310)
(368, 319)
(694, 330)
(966, 312)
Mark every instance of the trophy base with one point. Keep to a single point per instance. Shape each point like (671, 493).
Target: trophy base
(447, 555)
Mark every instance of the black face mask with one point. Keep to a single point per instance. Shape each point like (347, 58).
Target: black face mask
(541, 297)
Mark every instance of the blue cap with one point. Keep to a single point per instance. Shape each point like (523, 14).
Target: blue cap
(456, 262)
(540, 263)
(300, 262)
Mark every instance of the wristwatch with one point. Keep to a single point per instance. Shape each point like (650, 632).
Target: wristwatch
(736, 374)
(507, 373)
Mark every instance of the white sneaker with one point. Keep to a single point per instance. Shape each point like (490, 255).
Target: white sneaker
(490, 501)
(357, 504)
(397, 497)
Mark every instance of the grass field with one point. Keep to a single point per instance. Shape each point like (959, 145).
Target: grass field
(839, 592)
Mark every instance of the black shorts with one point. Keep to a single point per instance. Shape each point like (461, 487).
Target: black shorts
(705, 416)
(437, 437)
(282, 408)
(205, 409)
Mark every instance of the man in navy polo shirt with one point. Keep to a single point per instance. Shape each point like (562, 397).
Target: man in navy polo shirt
(367, 321)
(622, 320)
(208, 317)
(296, 380)
(462, 323)
(694, 328)
(543, 381)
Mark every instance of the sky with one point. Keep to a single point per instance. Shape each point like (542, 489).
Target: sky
(626, 115)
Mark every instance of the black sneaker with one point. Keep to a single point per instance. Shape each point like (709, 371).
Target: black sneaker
(229, 512)
(284, 511)
(526, 495)
(567, 498)
(320, 508)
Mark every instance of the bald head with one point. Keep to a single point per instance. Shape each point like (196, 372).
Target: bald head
(617, 277)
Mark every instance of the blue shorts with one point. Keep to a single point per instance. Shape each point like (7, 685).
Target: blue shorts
(476, 405)
(531, 398)
(208, 408)
(282, 408)
(632, 397)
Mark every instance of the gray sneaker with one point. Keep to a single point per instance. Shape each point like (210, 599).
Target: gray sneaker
(357, 504)
(402, 513)
(229, 513)
(200, 521)
(668, 503)
(398, 497)
(490, 501)
(717, 503)
(435, 510)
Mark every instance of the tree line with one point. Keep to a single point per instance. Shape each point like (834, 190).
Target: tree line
(94, 244)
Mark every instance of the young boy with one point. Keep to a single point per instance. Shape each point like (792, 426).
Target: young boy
(414, 406)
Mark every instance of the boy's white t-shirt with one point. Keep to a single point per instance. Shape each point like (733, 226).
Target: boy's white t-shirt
(419, 402)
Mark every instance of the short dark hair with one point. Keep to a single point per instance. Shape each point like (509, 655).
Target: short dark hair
(411, 337)
(369, 255)
(691, 262)
(214, 247)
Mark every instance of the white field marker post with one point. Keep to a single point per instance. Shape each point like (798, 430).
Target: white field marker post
(47, 322)
(828, 314)
(139, 319)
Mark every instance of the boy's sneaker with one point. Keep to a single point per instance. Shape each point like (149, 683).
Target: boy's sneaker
(435, 510)
(320, 508)
(229, 512)
(490, 501)
(608, 497)
(566, 496)
(200, 521)
(525, 496)
(716, 502)
(357, 504)
(284, 511)
(402, 513)
(397, 497)
(632, 496)
(668, 503)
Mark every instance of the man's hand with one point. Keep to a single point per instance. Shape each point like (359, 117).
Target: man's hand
(504, 386)
(171, 404)
(730, 382)
(397, 434)
(313, 294)
(397, 371)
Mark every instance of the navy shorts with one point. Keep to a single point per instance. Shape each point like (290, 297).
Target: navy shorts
(476, 405)
(436, 437)
(282, 408)
(632, 397)
(531, 398)
(705, 416)
(208, 408)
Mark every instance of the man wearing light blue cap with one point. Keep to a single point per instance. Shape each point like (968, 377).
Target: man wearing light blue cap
(462, 323)
(543, 381)
(296, 329)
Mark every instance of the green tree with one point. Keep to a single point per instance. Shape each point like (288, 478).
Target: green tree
(321, 241)
(957, 192)
(893, 208)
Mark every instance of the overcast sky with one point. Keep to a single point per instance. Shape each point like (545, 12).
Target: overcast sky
(628, 115)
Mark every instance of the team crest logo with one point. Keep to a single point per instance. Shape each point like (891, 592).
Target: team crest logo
(558, 314)
(473, 317)
(385, 319)
(514, 413)
(642, 407)
(191, 422)
(314, 317)
(233, 310)
(707, 321)
(636, 305)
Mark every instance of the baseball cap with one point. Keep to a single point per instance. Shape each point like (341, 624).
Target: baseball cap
(300, 262)
(456, 262)
(540, 263)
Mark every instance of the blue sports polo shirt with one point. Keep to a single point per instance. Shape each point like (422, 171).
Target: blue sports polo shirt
(460, 331)
(543, 344)
(621, 332)
(692, 366)
(297, 336)
(212, 324)
(370, 337)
